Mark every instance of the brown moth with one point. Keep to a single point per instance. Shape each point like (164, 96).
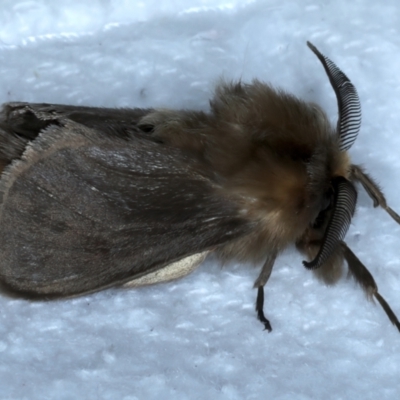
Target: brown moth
(94, 197)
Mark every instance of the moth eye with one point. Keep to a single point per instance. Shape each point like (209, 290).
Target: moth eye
(326, 205)
(327, 200)
(147, 128)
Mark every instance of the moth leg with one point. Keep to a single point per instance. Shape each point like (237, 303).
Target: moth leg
(260, 283)
(361, 274)
(359, 175)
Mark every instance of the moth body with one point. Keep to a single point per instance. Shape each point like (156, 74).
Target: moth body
(91, 198)
(274, 154)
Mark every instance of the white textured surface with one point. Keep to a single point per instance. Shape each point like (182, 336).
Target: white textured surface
(198, 338)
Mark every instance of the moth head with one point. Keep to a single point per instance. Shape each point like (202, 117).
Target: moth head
(339, 201)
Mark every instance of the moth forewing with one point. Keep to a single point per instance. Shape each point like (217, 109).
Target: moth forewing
(82, 211)
(94, 197)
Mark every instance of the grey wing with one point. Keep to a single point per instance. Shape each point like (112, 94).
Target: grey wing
(82, 211)
(21, 122)
(28, 119)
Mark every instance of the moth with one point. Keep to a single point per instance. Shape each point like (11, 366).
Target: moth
(94, 197)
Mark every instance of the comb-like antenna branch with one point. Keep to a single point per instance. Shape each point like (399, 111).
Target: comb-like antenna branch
(343, 209)
(349, 106)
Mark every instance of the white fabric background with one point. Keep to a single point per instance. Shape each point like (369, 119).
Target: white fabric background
(198, 338)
